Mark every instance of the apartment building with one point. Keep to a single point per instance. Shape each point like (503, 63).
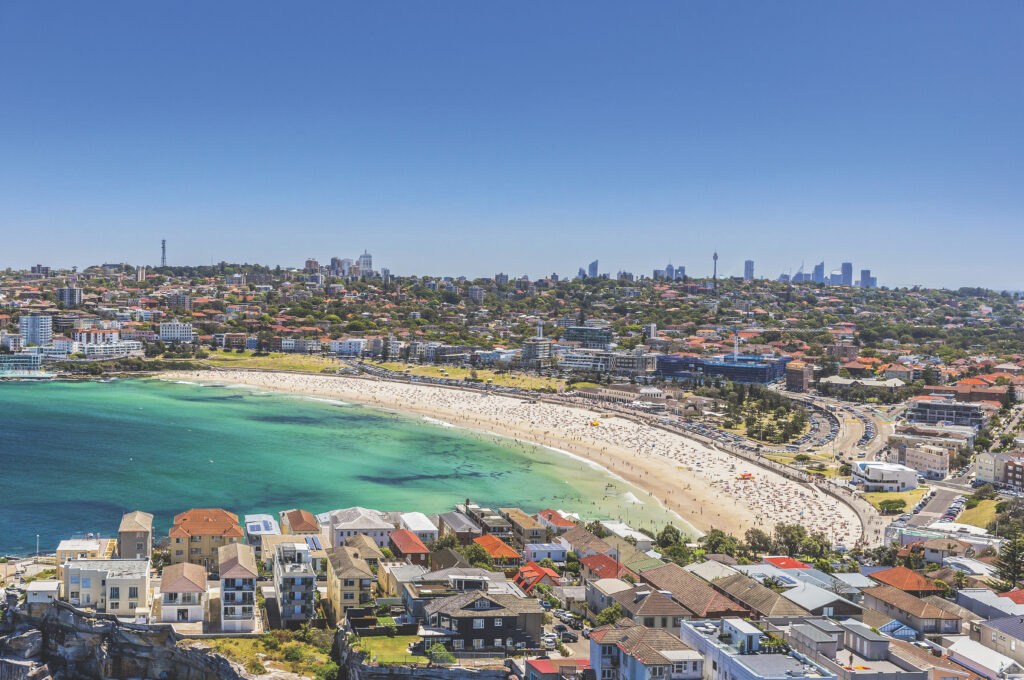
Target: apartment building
(629, 651)
(36, 329)
(116, 586)
(419, 524)
(349, 581)
(932, 462)
(135, 535)
(933, 411)
(299, 522)
(294, 583)
(84, 549)
(353, 521)
(183, 593)
(525, 529)
(236, 564)
(198, 534)
(176, 331)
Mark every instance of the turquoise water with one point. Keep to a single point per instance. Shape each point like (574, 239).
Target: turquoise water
(74, 456)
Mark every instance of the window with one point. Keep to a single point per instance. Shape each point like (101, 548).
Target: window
(348, 596)
(86, 582)
(649, 621)
(350, 583)
(679, 667)
(498, 623)
(657, 671)
(115, 592)
(133, 592)
(497, 642)
(606, 650)
(478, 624)
(457, 644)
(179, 553)
(606, 674)
(133, 606)
(74, 578)
(478, 643)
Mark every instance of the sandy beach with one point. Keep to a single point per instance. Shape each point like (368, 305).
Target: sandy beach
(699, 483)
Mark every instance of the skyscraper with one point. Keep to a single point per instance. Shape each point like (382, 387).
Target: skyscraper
(866, 280)
(36, 330)
(818, 276)
(748, 270)
(69, 297)
(592, 270)
(365, 263)
(847, 269)
(140, 274)
(670, 272)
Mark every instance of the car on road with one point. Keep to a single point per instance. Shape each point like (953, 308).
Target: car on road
(570, 636)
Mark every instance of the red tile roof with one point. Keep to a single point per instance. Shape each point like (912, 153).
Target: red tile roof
(206, 522)
(785, 563)
(496, 548)
(904, 579)
(604, 566)
(407, 542)
(554, 517)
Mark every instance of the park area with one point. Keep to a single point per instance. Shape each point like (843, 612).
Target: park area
(274, 361)
(477, 375)
(889, 503)
(385, 650)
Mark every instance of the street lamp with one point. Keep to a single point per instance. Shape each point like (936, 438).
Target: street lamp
(37, 546)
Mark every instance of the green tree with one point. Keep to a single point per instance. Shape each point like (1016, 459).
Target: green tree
(610, 615)
(1010, 563)
(758, 540)
(668, 536)
(718, 542)
(444, 542)
(789, 537)
(477, 556)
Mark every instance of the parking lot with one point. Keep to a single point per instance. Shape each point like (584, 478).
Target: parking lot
(933, 510)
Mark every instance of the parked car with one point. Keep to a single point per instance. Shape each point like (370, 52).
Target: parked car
(569, 636)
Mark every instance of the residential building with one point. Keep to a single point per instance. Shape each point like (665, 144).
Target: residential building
(183, 593)
(876, 476)
(489, 521)
(294, 583)
(602, 566)
(464, 529)
(1004, 635)
(588, 337)
(799, 376)
(822, 602)
(419, 524)
(198, 535)
(645, 605)
(907, 580)
(407, 545)
(236, 565)
(733, 650)
(584, 543)
(531, 574)
(354, 521)
(502, 554)
(847, 273)
(119, 587)
(932, 462)
(69, 297)
(177, 332)
(735, 367)
(639, 540)
(560, 669)
(256, 528)
(20, 363)
(84, 549)
(947, 411)
(986, 662)
(525, 529)
(135, 535)
(760, 600)
(699, 599)
(552, 519)
(535, 552)
(36, 329)
(349, 581)
(629, 651)
(599, 592)
(492, 622)
(299, 522)
(748, 270)
(912, 611)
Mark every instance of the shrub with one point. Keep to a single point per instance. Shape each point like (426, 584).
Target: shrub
(255, 667)
(327, 671)
(270, 641)
(293, 653)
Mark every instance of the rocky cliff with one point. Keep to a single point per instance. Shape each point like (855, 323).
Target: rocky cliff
(63, 643)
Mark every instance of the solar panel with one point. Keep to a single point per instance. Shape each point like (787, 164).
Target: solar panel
(313, 542)
(267, 526)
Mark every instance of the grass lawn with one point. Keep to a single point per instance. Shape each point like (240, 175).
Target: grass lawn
(304, 658)
(44, 575)
(981, 516)
(278, 361)
(911, 497)
(526, 382)
(390, 650)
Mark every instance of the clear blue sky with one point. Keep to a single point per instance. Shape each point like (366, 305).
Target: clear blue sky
(525, 137)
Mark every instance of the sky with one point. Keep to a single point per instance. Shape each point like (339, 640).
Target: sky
(468, 138)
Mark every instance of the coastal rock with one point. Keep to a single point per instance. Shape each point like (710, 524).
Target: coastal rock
(25, 646)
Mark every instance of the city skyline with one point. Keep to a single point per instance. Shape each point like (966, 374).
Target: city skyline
(487, 140)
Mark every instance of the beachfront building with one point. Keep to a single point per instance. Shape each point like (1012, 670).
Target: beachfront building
(741, 368)
(932, 462)
(492, 622)
(198, 534)
(405, 545)
(177, 332)
(464, 529)
(419, 524)
(350, 522)
(349, 581)
(83, 549)
(300, 522)
(525, 529)
(236, 565)
(118, 587)
(294, 583)
(258, 527)
(135, 535)
(501, 553)
(535, 552)
(875, 476)
(183, 593)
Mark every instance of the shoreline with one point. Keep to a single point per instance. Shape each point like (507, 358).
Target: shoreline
(689, 479)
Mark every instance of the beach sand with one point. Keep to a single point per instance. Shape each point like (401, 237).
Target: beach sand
(694, 480)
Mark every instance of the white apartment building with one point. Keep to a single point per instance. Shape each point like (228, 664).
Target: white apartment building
(97, 336)
(176, 331)
(122, 348)
(183, 593)
(931, 461)
(119, 587)
(419, 524)
(10, 341)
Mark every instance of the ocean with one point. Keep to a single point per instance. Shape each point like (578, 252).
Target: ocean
(74, 456)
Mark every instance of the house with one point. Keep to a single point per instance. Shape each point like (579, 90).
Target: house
(117, 586)
(938, 667)
(419, 524)
(502, 554)
(296, 521)
(1004, 635)
(907, 580)
(584, 543)
(447, 558)
(525, 529)
(294, 583)
(938, 549)
(650, 608)
(733, 649)
(39, 595)
(198, 535)
(236, 567)
(987, 604)
(986, 662)
(183, 593)
(258, 526)
(599, 593)
(821, 602)
(535, 552)
(367, 549)
(626, 650)
(601, 566)
(83, 549)
(641, 541)
(488, 520)
(532, 573)
(697, 597)
(490, 622)
(783, 562)
(354, 521)
(760, 600)
(555, 669)
(554, 520)
(349, 581)
(417, 590)
(135, 535)
(912, 611)
(407, 545)
(463, 527)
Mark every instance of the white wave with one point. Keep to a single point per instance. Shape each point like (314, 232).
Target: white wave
(184, 382)
(631, 498)
(322, 400)
(435, 421)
